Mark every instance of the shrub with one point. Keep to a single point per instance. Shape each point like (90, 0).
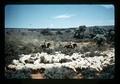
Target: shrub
(111, 36)
(100, 39)
(46, 32)
(68, 31)
(28, 48)
(11, 50)
(59, 32)
(79, 33)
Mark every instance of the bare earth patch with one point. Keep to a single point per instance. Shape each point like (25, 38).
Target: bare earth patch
(37, 76)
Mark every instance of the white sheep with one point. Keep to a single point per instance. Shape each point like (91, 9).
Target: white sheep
(15, 62)
(20, 66)
(11, 67)
(29, 66)
(37, 61)
(25, 57)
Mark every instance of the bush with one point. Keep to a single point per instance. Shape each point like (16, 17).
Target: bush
(59, 32)
(97, 30)
(11, 50)
(79, 33)
(28, 48)
(46, 32)
(111, 35)
(100, 39)
(89, 48)
(68, 31)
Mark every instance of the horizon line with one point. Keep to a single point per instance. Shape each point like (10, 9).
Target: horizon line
(57, 27)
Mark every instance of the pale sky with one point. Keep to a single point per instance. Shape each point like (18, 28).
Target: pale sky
(58, 16)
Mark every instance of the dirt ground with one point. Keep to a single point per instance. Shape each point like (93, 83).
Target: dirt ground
(37, 76)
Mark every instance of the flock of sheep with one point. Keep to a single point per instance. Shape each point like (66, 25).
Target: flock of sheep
(61, 66)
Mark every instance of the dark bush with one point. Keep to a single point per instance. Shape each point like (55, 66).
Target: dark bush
(100, 39)
(79, 33)
(28, 48)
(98, 30)
(111, 35)
(46, 32)
(59, 32)
(68, 31)
(11, 50)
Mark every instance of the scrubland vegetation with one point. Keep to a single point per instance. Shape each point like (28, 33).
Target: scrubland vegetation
(70, 53)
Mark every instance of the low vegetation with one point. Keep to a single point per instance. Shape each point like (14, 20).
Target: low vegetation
(86, 42)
